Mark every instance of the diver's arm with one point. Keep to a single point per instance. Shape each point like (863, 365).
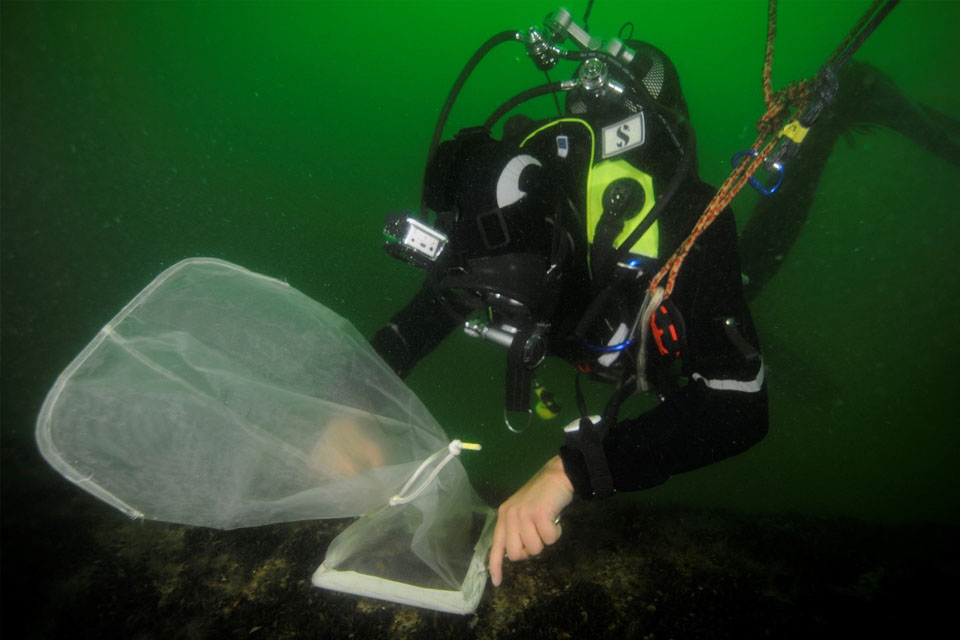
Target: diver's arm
(722, 410)
(413, 332)
(694, 427)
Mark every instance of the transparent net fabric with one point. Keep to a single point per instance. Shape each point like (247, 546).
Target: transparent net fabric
(222, 398)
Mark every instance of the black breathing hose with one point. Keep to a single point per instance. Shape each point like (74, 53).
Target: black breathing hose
(520, 98)
(485, 48)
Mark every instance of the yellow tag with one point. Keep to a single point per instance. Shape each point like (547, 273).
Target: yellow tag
(795, 131)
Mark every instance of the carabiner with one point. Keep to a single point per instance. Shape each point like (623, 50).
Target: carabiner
(524, 416)
(756, 184)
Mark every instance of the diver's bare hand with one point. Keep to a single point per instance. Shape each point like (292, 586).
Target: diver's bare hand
(527, 521)
(345, 448)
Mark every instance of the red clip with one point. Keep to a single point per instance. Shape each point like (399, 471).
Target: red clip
(658, 332)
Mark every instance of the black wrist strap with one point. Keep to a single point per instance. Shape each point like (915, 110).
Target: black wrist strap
(588, 440)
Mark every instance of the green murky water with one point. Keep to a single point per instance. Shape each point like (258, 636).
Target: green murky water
(277, 135)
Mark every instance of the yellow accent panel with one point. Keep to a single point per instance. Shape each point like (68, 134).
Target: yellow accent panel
(603, 174)
(598, 177)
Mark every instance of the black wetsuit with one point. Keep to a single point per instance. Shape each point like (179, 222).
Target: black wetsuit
(722, 408)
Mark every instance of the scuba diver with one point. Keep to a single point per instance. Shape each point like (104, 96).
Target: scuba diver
(545, 242)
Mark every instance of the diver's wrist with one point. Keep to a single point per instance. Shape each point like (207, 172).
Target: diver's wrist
(557, 471)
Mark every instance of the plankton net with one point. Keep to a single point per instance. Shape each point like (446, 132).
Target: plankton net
(222, 398)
